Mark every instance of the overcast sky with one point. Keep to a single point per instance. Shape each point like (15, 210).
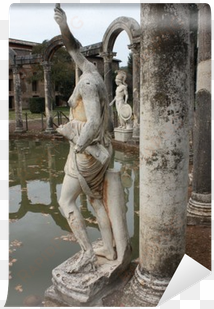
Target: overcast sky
(88, 22)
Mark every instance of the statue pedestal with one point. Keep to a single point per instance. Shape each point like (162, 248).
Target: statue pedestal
(86, 287)
(123, 135)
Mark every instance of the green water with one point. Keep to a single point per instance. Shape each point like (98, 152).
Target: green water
(38, 232)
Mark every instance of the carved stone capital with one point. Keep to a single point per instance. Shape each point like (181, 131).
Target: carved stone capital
(107, 56)
(135, 48)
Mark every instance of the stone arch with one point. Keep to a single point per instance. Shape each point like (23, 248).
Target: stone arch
(130, 25)
(53, 45)
(133, 30)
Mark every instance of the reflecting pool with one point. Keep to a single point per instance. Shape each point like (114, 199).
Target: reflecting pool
(40, 237)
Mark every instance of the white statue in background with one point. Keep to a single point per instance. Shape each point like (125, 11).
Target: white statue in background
(124, 110)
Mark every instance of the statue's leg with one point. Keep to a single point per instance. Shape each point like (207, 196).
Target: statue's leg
(70, 191)
(105, 228)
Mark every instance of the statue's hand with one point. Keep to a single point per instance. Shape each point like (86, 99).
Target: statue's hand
(77, 149)
(60, 16)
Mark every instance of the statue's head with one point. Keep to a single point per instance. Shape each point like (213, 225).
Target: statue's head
(120, 77)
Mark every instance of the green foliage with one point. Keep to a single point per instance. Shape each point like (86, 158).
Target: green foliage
(37, 105)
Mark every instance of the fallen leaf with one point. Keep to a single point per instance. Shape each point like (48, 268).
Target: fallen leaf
(12, 220)
(45, 215)
(68, 237)
(15, 243)
(19, 288)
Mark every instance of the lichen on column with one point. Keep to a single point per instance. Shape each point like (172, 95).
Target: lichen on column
(164, 147)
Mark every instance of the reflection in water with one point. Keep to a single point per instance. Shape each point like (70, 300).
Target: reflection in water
(36, 175)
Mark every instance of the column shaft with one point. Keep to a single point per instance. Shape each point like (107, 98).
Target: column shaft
(135, 48)
(18, 101)
(48, 98)
(164, 146)
(107, 57)
(199, 207)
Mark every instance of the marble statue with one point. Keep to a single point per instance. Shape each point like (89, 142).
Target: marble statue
(124, 110)
(88, 158)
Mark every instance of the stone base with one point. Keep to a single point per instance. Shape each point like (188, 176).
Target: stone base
(136, 134)
(85, 288)
(19, 130)
(143, 290)
(123, 135)
(50, 131)
(199, 209)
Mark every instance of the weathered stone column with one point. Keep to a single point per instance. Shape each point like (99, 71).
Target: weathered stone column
(164, 147)
(135, 48)
(193, 44)
(18, 101)
(199, 207)
(107, 57)
(48, 97)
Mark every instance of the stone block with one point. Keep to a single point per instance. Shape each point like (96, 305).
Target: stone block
(123, 135)
(86, 287)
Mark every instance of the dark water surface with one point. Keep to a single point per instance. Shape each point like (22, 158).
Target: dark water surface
(39, 238)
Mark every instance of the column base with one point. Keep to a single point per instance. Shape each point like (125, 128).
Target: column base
(19, 130)
(199, 209)
(136, 133)
(144, 290)
(50, 131)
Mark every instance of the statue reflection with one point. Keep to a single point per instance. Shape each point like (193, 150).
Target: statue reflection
(30, 163)
(130, 181)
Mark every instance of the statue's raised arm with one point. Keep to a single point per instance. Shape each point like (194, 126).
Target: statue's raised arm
(88, 161)
(72, 45)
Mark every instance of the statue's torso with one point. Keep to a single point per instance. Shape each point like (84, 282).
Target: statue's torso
(120, 92)
(76, 103)
(79, 111)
